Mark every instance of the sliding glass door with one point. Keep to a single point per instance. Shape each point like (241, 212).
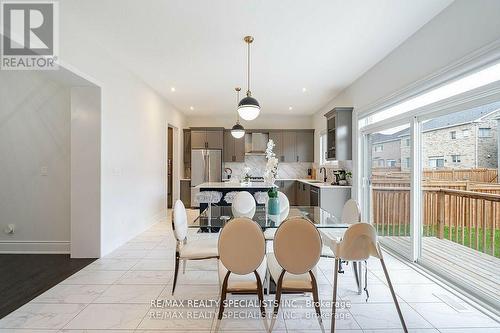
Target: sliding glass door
(387, 190)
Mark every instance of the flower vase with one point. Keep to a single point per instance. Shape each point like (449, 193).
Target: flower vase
(273, 206)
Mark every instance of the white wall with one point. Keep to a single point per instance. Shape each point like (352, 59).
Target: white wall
(264, 121)
(85, 172)
(460, 29)
(134, 125)
(34, 163)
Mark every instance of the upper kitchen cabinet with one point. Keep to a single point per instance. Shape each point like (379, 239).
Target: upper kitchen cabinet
(339, 134)
(207, 138)
(297, 146)
(234, 149)
(277, 137)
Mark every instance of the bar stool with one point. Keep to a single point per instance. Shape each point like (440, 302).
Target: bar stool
(209, 197)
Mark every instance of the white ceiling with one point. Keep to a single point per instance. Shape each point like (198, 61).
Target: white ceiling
(197, 46)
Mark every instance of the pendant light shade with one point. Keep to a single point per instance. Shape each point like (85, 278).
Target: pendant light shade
(237, 131)
(248, 107)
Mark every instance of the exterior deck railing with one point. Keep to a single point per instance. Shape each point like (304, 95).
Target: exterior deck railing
(467, 217)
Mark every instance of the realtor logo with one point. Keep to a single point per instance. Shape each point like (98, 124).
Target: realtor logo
(29, 35)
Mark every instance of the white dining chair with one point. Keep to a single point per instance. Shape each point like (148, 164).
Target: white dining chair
(359, 244)
(243, 205)
(284, 212)
(350, 212)
(199, 249)
(297, 250)
(242, 263)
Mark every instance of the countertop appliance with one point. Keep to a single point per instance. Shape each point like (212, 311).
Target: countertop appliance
(206, 166)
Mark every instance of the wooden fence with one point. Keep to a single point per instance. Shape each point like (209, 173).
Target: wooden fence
(481, 175)
(464, 212)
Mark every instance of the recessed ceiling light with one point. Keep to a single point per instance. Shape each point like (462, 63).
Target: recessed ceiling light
(290, 108)
(304, 89)
(191, 108)
(172, 89)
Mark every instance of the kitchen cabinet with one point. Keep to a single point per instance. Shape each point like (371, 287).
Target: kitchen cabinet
(277, 137)
(186, 192)
(234, 149)
(207, 138)
(288, 188)
(339, 134)
(293, 146)
(304, 146)
(187, 146)
(303, 194)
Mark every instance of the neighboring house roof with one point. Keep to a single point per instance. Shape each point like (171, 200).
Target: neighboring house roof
(449, 120)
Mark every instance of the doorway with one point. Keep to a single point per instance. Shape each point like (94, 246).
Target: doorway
(170, 168)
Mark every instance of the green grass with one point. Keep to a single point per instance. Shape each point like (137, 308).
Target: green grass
(392, 230)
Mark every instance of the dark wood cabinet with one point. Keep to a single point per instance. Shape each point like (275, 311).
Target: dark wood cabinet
(304, 146)
(186, 192)
(288, 188)
(234, 149)
(207, 138)
(339, 134)
(277, 137)
(187, 146)
(303, 193)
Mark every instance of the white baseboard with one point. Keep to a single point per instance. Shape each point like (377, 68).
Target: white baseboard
(34, 247)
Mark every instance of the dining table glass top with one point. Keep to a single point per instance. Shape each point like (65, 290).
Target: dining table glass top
(217, 216)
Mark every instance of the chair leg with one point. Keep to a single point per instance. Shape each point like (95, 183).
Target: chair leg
(315, 296)
(176, 272)
(268, 282)
(277, 300)
(357, 276)
(184, 266)
(223, 296)
(394, 295)
(334, 301)
(260, 295)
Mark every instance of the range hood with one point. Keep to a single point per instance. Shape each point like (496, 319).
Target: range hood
(256, 143)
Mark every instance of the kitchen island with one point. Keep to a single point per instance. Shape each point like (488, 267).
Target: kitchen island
(226, 187)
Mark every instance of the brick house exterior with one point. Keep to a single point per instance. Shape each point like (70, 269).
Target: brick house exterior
(462, 140)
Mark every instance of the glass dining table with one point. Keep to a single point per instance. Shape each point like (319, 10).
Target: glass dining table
(215, 217)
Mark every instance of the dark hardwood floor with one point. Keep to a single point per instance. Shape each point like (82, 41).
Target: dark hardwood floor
(25, 276)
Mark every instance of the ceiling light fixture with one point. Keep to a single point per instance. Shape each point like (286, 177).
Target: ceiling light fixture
(172, 89)
(191, 108)
(237, 131)
(304, 89)
(290, 108)
(248, 107)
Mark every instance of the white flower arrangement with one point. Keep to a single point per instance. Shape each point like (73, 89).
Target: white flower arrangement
(272, 164)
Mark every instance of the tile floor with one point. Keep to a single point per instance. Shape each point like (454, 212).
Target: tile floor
(115, 293)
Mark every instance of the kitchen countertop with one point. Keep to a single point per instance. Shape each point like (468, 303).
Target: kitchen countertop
(229, 184)
(233, 185)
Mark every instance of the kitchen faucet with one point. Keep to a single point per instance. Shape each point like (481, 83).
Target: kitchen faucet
(324, 173)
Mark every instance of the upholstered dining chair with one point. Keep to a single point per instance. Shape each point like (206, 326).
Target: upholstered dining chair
(284, 211)
(358, 244)
(243, 205)
(297, 250)
(242, 260)
(198, 249)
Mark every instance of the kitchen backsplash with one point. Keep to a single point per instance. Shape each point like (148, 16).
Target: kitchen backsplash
(257, 165)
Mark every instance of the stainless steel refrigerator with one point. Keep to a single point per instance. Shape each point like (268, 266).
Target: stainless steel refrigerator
(206, 166)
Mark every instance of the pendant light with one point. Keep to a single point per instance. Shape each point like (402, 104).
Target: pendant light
(248, 108)
(237, 131)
